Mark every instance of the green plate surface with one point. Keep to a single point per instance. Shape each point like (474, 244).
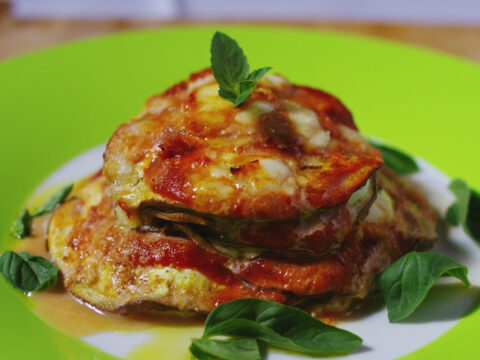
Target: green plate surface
(60, 102)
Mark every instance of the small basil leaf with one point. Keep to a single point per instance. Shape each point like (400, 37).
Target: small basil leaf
(228, 95)
(256, 75)
(21, 227)
(279, 325)
(457, 212)
(248, 85)
(465, 210)
(473, 216)
(397, 160)
(53, 201)
(233, 349)
(230, 68)
(27, 272)
(229, 64)
(245, 93)
(406, 282)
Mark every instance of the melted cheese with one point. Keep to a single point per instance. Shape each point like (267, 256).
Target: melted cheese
(306, 123)
(253, 112)
(275, 81)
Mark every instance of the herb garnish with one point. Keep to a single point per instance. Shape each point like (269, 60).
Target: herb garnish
(278, 325)
(395, 159)
(232, 349)
(406, 282)
(466, 210)
(27, 272)
(57, 198)
(21, 226)
(231, 70)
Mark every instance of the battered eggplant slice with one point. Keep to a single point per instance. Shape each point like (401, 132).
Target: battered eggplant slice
(119, 269)
(313, 234)
(399, 221)
(116, 269)
(286, 162)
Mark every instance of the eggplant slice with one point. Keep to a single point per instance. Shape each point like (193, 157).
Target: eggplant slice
(118, 269)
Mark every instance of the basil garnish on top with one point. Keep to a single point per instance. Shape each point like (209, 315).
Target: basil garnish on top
(21, 226)
(406, 282)
(27, 272)
(395, 159)
(231, 70)
(466, 210)
(278, 325)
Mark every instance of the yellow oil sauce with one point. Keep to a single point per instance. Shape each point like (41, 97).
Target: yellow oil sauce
(171, 331)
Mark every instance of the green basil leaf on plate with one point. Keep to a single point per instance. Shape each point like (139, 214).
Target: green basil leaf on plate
(406, 282)
(21, 226)
(465, 210)
(279, 325)
(457, 212)
(231, 70)
(232, 349)
(27, 272)
(53, 201)
(395, 159)
(473, 216)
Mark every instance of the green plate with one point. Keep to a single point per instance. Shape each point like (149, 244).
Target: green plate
(60, 102)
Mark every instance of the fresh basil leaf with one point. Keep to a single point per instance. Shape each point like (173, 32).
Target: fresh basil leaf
(229, 64)
(21, 227)
(230, 68)
(457, 212)
(228, 95)
(256, 75)
(53, 201)
(406, 282)
(473, 216)
(248, 85)
(278, 325)
(27, 272)
(397, 160)
(233, 349)
(465, 210)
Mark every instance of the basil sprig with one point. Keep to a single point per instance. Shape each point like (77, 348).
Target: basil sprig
(57, 198)
(232, 349)
(406, 282)
(231, 70)
(21, 226)
(466, 209)
(395, 159)
(473, 217)
(278, 325)
(27, 272)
